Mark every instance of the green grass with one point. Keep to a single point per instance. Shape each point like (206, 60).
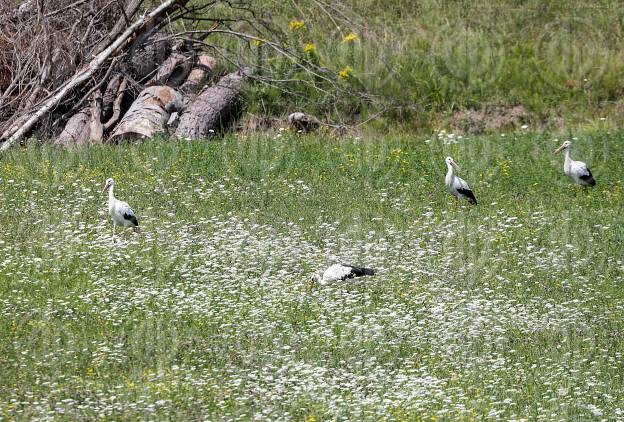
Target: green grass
(421, 62)
(512, 309)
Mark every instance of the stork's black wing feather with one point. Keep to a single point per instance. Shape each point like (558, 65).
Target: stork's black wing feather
(469, 195)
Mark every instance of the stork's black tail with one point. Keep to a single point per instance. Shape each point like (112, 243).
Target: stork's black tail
(589, 179)
(360, 271)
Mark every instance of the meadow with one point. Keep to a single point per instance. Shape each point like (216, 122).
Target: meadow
(513, 309)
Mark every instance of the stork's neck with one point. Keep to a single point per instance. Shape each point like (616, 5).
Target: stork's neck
(111, 197)
(450, 172)
(566, 154)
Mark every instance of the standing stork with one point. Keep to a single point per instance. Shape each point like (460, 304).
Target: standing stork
(575, 170)
(456, 185)
(120, 211)
(341, 272)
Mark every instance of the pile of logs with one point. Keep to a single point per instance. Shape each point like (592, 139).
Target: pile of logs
(108, 71)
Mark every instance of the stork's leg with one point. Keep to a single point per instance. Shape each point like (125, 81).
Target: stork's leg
(114, 230)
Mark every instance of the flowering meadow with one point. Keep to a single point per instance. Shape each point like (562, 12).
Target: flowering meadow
(510, 310)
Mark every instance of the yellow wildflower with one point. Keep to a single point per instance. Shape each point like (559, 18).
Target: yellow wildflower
(346, 72)
(258, 42)
(309, 48)
(350, 37)
(296, 24)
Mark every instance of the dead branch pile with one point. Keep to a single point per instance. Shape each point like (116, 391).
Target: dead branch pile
(92, 71)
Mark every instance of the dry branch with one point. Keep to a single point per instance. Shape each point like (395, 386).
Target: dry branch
(96, 132)
(117, 105)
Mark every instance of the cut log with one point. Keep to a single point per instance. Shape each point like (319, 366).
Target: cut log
(212, 108)
(76, 131)
(145, 56)
(203, 67)
(303, 122)
(201, 70)
(148, 114)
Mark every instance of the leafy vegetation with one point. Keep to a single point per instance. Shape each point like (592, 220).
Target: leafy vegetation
(512, 309)
(422, 62)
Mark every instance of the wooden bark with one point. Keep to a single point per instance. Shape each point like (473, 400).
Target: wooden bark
(110, 94)
(212, 108)
(88, 71)
(117, 105)
(202, 68)
(148, 114)
(76, 131)
(96, 132)
(173, 71)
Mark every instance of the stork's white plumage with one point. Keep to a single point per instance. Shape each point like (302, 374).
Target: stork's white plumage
(456, 185)
(575, 170)
(120, 211)
(337, 272)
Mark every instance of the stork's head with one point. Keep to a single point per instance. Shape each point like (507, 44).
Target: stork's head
(563, 146)
(451, 162)
(315, 278)
(108, 184)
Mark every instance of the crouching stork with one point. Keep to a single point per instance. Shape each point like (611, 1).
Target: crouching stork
(339, 272)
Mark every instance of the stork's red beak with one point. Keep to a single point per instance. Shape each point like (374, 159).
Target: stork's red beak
(455, 164)
(105, 188)
(558, 150)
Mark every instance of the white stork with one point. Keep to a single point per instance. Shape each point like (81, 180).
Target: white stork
(120, 211)
(575, 170)
(338, 272)
(456, 185)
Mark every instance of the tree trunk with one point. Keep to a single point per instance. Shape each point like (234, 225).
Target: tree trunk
(212, 108)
